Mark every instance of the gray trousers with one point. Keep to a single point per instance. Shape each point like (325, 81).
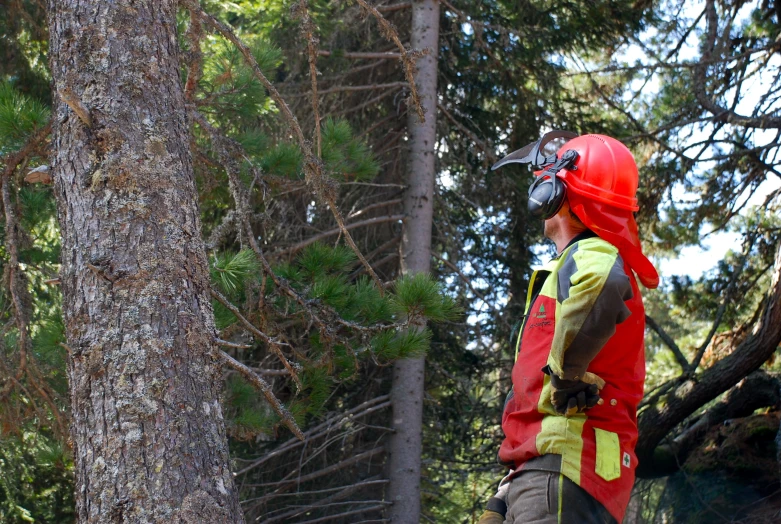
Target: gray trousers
(551, 498)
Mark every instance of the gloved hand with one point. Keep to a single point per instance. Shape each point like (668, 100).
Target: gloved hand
(574, 396)
(496, 508)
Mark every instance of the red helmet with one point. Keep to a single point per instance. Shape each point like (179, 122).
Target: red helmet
(601, 189)
(605, 171)
(601, 183)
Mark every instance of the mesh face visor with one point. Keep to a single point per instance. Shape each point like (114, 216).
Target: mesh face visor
(540, 153)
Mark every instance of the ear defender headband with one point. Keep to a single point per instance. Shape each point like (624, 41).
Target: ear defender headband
(547, 193)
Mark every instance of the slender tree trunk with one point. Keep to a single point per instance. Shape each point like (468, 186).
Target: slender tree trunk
(148, 436)
(408, 374)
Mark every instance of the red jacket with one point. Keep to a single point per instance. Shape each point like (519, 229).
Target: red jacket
(583, 313)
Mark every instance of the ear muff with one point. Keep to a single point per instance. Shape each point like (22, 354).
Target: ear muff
(546, 196)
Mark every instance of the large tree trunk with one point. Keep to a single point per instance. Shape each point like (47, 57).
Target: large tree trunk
(148, 436)
(408, 374)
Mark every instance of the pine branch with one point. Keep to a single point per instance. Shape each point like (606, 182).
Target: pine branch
(461, 276)
(408, 58)
(350, 242)
(221, 144)
(748, 244)
(223, 29)
(312, 165)
(264, 388)
(467, 19)
(720, 113)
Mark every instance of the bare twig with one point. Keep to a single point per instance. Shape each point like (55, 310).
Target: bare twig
(273, 344)
(308, 30)
(377, 205)
(325, 471)
(264, 388)
(331, 424)
(15, 283)
(367, 103)
(371, 87)
(408, 58)
(227, 344)
(488, 149)
(315, 238)
(394, 7)
(359, 55)
(378, 507)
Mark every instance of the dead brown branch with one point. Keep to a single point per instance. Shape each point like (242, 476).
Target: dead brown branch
(273, 344)
(264, 387)
(316, 238)
(308, 31)
(394, 7)
(325, 471)
(359, 55)
(408, 57)
(348, 89)
(378, 507)
(331, 424)
(16, 284)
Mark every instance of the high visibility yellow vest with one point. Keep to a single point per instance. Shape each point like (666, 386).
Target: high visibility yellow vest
(584, 312)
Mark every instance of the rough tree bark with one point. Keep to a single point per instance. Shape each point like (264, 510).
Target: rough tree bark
(148, 435)
(408, 374)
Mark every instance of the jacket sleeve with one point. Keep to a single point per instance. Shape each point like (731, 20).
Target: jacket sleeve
(591, 290)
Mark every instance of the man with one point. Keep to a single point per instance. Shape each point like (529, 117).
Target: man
(570, 421)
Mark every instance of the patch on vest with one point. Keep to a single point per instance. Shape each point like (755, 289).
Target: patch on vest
(541, 312)
(627, 461)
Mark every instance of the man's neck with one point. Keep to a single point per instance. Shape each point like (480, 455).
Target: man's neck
(565, 238)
